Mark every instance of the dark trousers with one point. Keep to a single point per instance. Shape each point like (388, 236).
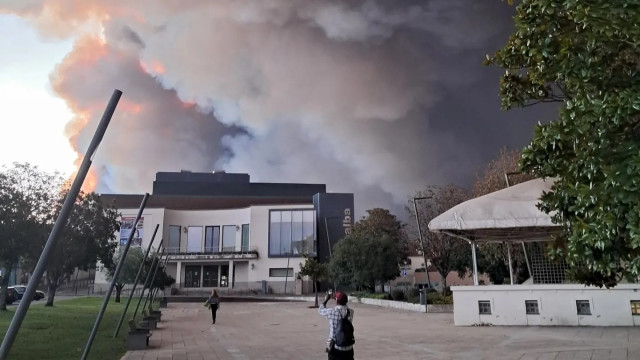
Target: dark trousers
(214, 309)
(335, 354)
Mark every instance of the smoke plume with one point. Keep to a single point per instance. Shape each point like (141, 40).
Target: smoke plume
(370, 97)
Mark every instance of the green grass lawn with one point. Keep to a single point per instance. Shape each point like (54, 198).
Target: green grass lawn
(61, 331)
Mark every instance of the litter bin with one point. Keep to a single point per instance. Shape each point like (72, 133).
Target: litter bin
(423, 297)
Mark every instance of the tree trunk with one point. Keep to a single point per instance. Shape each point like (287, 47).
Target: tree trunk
(51, 291)
(444, 283)
(118, 291)
(3, 290)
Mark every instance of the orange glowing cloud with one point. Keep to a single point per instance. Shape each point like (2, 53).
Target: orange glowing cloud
(90, 182)
(130, 106)
(153, 67)
(188, 104)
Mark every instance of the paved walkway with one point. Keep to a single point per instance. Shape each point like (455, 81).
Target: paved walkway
(294, 331)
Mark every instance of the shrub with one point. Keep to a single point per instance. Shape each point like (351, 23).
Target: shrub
(397, 294)
(438, 298)
(412, 292)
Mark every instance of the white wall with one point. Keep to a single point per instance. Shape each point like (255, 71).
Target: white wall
(556, 303)
(256, 216)
(152, 217)
(202, 218)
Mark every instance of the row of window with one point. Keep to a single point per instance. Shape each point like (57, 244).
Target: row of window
(215, 240)
(196, 276)
(583, 307)
(206, 276)
(292, 232)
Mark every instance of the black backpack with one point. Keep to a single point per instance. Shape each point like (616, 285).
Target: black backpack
(344, 332)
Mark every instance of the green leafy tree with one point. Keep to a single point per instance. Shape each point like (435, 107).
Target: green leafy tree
(129, 270)
(162, 279)
(27, 197)
(584, 56)
(381, 221)
(88, 236)
(364, 259)
(446, 253)
(317, 271)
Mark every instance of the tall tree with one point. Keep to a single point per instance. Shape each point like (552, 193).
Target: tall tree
(129, 270)
(88, 236)
(384, 222)
(493, 177)
(364, 259)
(27, 196)
(493, 258)
(316, 270)
(583, 55)
(446, 253)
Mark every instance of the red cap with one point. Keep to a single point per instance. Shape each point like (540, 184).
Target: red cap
(341, 298)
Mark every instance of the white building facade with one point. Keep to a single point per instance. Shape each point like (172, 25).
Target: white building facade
(239, 240)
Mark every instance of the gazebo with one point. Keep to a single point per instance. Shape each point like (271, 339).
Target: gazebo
(509, 216)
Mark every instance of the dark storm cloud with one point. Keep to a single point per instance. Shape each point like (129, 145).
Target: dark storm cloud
(379, 98)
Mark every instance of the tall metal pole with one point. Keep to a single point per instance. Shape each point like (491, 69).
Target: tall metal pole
(146, 281)
(113, 281)
(153, 279)
(67, 206)
(135, 283)
(422, 247)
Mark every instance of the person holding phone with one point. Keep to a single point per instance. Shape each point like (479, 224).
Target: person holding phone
(335, 316)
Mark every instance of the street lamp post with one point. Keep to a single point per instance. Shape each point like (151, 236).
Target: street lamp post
(422, 247)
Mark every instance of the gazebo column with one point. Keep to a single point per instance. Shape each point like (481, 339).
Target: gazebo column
(509, 258)
(526, 258)
(475, 263)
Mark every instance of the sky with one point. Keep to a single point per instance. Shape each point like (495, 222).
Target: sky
(32, 118)
(376, 97)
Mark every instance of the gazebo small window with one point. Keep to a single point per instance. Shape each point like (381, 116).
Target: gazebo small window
(635, 307)
(484, 307)
(532, 307)
(583, 306)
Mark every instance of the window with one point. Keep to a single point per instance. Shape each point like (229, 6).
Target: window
(635, 307)
(245, 237)
(174, 239)
(212, 239)
(210, 276)
(484, 307)
(292, 232)
(191, 276)
(228, 238)
(194, 239)
(532, 307)
(583, 307)
(224, 275)
(281, 272)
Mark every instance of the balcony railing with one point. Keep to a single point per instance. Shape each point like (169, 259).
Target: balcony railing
(231, 252)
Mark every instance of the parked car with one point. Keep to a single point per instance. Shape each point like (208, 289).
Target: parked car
(12, 295)
(20, 289)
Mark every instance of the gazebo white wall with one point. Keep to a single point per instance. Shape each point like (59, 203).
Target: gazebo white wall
(505, 215)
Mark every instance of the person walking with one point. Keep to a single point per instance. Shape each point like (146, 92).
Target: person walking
(214, 304)
(335, 349)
